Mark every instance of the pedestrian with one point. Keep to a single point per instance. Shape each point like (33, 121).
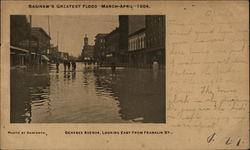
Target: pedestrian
(113, 67)
(65, 64)
(57, 65)
(73, 65)
(68, 65)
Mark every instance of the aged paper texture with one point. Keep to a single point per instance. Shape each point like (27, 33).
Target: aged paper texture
(206, 80)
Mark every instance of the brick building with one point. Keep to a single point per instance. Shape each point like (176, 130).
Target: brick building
(139, 40)
(40, 45)
(20, 34)
(42, 39)
(123, 40)
(155, 39)
(112, 46)
(99, 48)
(136, 40)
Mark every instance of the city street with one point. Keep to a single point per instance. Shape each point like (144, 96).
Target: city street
(90, 94)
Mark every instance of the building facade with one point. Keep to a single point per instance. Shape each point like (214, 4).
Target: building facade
(40, 45)
(137, 48)
(155, 39)
(112, 46)
(53, 51)
(136, 40)
(20, 31)
(99, 48)
(123, 40)
(42, 39)
(20, 34)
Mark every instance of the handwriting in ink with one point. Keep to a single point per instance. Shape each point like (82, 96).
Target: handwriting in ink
(211, 138)
(228, 141)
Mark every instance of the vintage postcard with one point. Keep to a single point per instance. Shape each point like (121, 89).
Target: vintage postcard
(124, 74)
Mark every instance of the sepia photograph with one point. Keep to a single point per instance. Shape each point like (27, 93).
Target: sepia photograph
(87, 69)
(124, 74)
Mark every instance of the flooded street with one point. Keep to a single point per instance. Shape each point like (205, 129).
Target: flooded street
(42, 94)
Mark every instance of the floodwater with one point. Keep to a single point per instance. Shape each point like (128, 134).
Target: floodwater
(42, 94)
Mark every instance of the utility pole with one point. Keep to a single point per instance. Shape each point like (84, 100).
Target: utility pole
(48, 25)
(29, 40)
(57, 38)
(49, 34)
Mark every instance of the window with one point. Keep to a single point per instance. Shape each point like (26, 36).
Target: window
(139, 43)
(129, 45)
(143, 42)
(136, 43)
(133, 45)
(159, 19)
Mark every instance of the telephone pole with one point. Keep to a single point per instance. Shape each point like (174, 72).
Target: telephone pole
(48, 25)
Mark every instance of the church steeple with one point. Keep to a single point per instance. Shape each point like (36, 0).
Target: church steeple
(85, 40)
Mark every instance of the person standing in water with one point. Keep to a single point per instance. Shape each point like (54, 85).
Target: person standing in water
(73, 65)
(68, 65)
(57, 65)
(65, 64)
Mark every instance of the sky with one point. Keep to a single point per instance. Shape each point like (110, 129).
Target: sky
(71, 30)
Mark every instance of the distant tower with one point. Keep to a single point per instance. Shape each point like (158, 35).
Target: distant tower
(85, 40)
(85, 45)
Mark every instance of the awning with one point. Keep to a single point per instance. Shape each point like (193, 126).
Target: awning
(19, 49)
(45, 57)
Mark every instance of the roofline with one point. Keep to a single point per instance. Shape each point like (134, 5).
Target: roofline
(112, 32)
(41, 29)
(101, 34)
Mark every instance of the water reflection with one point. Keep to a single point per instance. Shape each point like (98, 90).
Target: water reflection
(140, 92)
(44, 94)
(29, 89)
